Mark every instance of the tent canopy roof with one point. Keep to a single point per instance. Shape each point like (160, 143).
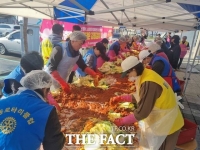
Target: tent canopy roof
(147, 14)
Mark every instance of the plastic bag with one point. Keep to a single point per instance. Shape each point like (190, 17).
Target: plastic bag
(156, 127)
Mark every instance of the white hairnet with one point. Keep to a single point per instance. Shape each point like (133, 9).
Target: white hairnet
(77, 36)
(122, 39)
(36, 79)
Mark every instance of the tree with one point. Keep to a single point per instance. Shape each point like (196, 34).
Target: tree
(25, 26)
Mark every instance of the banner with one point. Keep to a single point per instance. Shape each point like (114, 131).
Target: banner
(94, 33)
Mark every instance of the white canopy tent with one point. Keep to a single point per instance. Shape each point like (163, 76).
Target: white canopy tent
(148, 14)
(157, 15)
(42, 9)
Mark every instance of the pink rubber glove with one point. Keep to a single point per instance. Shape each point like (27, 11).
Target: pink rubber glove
(130, 119)
(126, 98)
(52, 101)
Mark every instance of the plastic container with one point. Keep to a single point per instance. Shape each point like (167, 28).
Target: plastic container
(188, 132)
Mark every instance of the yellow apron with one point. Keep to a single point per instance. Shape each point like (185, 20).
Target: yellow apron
(165, 117)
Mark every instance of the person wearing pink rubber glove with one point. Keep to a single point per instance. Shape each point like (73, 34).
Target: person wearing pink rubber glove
(53, 102)
(157, 107)
(128, 120)
(103, 58)
(126, 48)
(115, 48)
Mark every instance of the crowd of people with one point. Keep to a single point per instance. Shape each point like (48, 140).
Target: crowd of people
(27, 102)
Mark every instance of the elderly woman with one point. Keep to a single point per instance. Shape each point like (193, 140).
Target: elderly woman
(135, 44)
(116, 48)
(159, 116)
(28, 120)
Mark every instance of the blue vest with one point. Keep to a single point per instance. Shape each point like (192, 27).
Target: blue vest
(79, 72)
(168, 44)
(112, 46)
(16, 74)
(167, 72)
(115, 43)
(23, 119)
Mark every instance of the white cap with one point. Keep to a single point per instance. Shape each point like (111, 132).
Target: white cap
(129, 63)
(154, 47)
(143, 54)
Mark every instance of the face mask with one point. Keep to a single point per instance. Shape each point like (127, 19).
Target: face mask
(132, 79)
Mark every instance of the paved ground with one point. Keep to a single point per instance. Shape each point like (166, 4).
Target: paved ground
(191, 99)
(8, 63)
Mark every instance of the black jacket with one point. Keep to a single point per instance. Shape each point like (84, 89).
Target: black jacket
(174, 55)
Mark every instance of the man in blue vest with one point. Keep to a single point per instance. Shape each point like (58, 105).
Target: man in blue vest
(29, 62)
(161, 66)
(26, 120)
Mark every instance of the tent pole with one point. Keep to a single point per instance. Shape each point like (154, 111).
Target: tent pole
(191, 66)
(181, 34)
(110, 12)
(122, 12)
(190, 55)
